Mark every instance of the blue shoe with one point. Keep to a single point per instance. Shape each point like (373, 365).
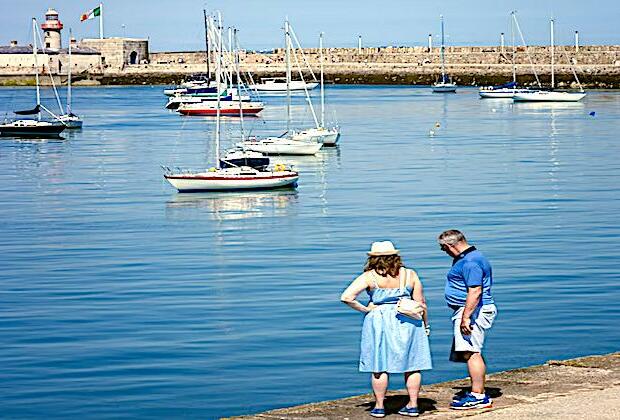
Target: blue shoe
(469, 402)
(459, 395)
(377, 412)
(409, 411)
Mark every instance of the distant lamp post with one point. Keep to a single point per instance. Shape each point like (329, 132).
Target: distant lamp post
(501, 42)
(359, 44)
(430, 42)
(576, 41)
(123, 26)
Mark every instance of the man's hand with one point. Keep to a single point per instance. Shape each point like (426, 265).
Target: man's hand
(466, 326)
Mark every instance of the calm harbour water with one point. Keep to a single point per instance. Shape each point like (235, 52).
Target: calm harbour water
(121, 298)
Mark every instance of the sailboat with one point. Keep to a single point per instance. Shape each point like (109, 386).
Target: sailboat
(327, 136)
(551, 95)
(279, 85)
(30, 127)
(291, 142)
(225, 92)
(69, 118)
(507, 90)
(444, 84)
(230, 178)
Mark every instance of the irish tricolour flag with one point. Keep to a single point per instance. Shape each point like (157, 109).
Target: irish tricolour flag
(91, 14)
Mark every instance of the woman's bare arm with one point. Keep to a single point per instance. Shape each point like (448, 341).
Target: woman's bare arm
(349, 296)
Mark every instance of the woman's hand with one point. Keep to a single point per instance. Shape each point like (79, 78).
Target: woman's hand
(371, 306)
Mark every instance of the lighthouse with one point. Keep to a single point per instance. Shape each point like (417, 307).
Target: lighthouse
(52, 28)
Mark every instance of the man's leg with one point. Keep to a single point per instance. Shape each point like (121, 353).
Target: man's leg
(477, 371)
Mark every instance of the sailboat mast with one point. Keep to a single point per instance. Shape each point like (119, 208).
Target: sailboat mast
(512, 36)
(322, 81)
(204, 13)
(552, 58)
(36, 64)
(231, 59)
(69, 76)
(443, 47)
(236, 51)
(287, 42)
(218, 72)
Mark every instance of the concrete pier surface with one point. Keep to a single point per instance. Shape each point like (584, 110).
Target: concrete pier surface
(582, 388)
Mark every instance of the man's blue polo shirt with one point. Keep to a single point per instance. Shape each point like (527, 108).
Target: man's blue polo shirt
(469, 269)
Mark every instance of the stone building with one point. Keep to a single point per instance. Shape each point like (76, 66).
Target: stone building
(117, 53)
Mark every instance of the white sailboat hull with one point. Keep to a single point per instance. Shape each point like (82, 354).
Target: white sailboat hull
(282, 146)
(329, 137)
(70, 121)
(226, 180)
(444, 87)
(549, 96)
(501, 93)
(295, 85)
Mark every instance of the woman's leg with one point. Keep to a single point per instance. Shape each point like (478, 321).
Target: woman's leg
(379, 387)
(413, 380)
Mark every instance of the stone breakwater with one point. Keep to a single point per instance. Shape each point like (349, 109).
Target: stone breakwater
(596, 66)
(548, 391)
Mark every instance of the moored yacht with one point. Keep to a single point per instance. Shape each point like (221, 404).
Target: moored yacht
(550, 95)
(229, 177)
(228, 108)
(232, 179)
(444, 85)
(31, 128)
(281, 146)
(326, 136)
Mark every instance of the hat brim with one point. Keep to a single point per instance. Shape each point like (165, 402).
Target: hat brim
(383, 254)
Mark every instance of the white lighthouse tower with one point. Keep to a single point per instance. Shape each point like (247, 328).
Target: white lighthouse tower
(52, 28)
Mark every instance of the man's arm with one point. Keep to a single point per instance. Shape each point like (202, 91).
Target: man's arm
(471, 303)
(473, 275)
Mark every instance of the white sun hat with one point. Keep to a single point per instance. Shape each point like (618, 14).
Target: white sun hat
(382, 248)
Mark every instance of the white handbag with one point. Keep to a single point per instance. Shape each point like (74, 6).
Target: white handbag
(409, 307)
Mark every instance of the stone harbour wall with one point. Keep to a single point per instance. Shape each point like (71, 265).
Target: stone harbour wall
(597, 66)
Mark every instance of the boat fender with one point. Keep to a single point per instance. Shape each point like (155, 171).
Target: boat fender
(279, 167)
(212, 169)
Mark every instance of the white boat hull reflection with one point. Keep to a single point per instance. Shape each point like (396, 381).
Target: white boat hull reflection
(549, 96)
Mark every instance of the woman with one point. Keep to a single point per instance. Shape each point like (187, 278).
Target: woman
(391, 342)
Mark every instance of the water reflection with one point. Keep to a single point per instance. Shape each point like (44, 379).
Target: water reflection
(543, 106)
(232, 205)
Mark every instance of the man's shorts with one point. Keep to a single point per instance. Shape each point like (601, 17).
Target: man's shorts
(481, 320)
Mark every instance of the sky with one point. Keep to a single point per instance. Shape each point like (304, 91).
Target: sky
(176, 25)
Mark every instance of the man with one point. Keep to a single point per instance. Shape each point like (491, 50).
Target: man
(468, 294)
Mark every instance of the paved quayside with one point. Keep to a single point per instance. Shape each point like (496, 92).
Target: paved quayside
(548, 391)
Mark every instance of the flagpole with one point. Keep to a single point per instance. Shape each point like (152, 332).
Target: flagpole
(100, 20)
